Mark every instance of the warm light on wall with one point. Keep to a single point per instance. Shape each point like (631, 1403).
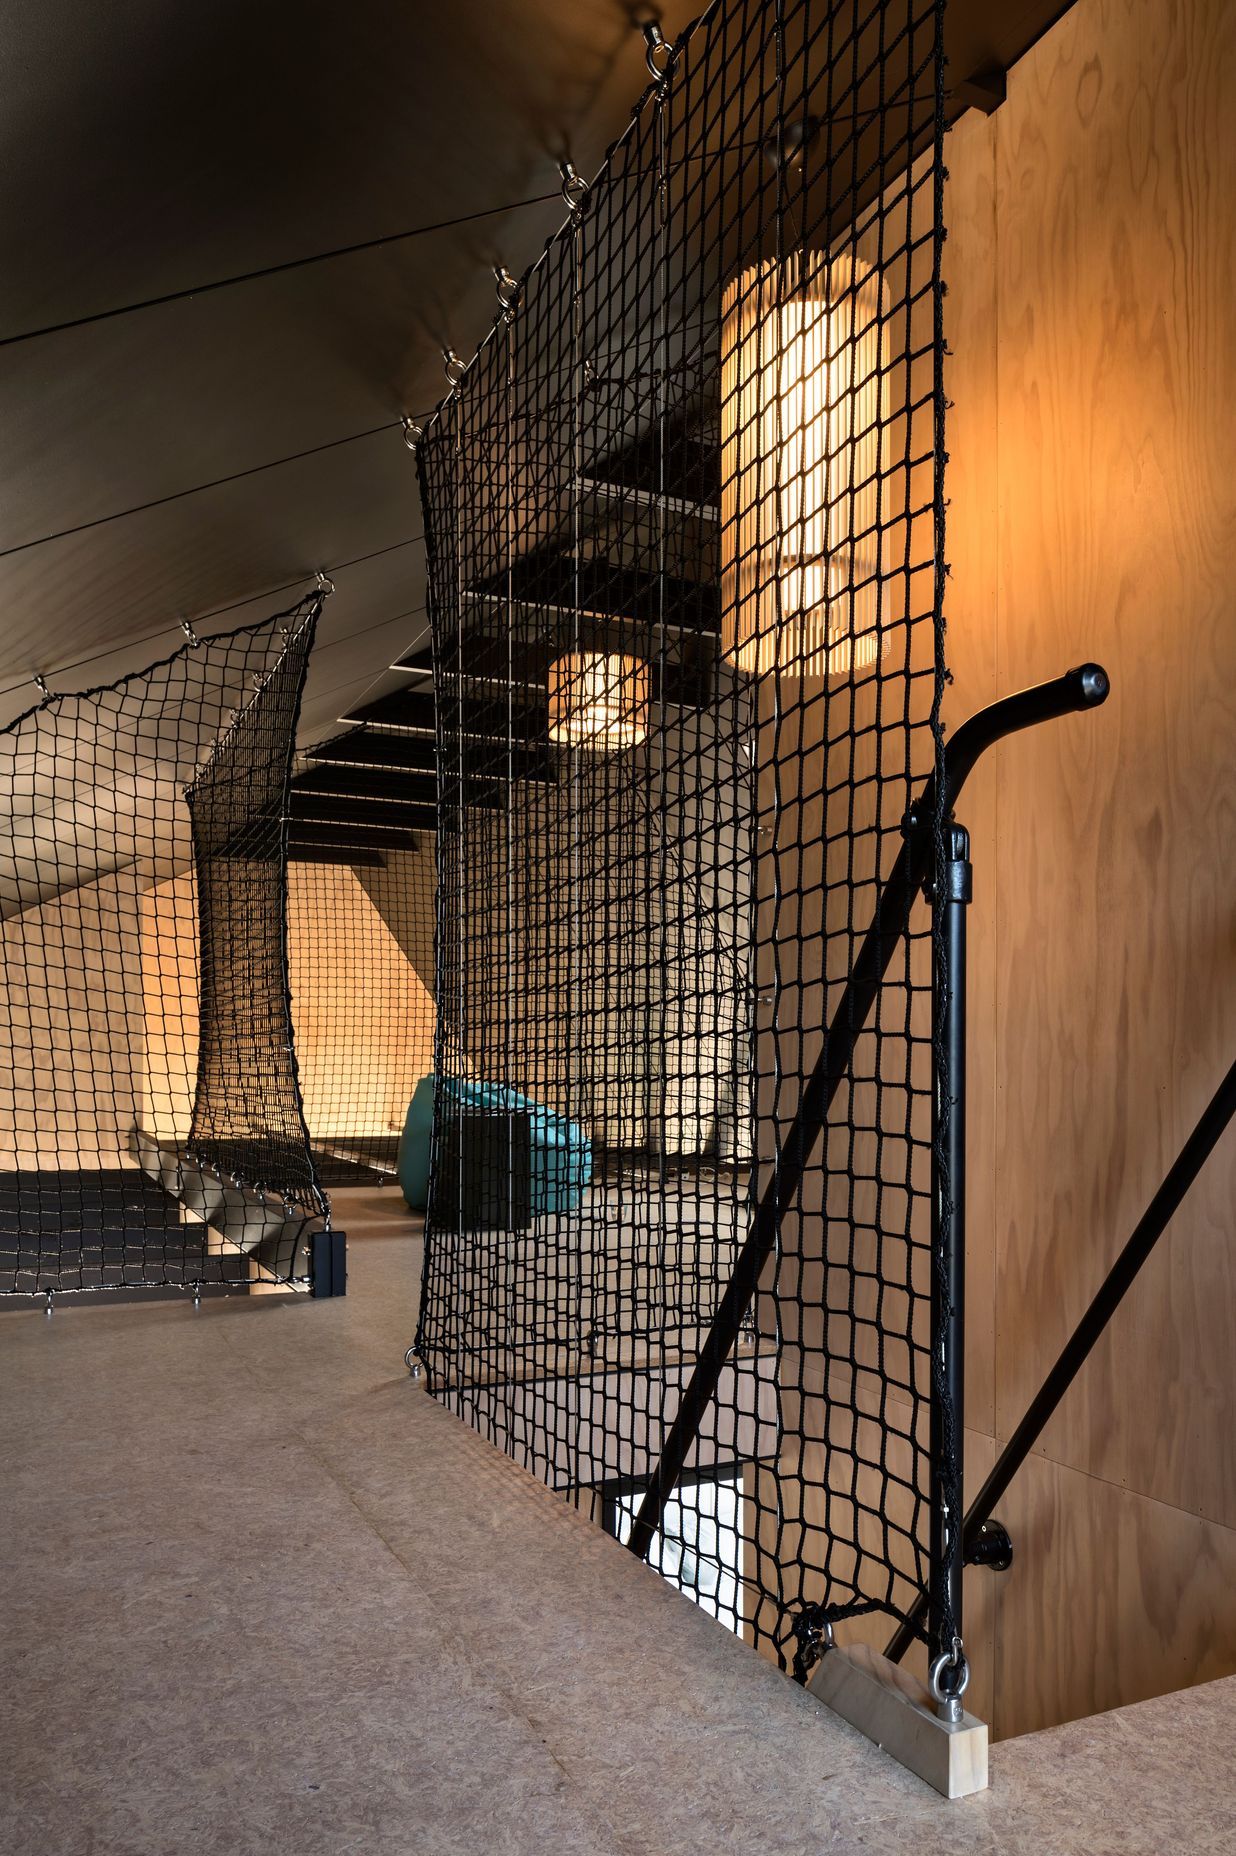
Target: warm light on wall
(800, 461)
(598, 699)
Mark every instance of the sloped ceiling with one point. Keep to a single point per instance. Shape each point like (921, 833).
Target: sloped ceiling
(205, 356)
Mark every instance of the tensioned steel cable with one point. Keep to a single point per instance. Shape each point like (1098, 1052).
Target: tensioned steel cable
(197, 489)
(272, 270)
(216, 612)
(275, 270)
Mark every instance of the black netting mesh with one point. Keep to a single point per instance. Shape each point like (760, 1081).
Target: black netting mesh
(150, 1119)
(360, 947)
(684, 518)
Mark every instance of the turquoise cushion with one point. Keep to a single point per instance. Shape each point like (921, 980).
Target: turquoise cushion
(561, 1151)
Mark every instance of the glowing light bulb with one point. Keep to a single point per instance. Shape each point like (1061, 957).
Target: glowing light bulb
(800, 464)
(598, 699)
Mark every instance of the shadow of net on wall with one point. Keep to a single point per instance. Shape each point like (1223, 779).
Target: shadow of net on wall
(684, 518)
(151, 1123)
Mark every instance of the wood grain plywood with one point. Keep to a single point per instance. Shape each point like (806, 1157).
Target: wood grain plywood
(363, 1020)
(1113, 1598)
(169, 969)
(73, 1008)
(1116, 174)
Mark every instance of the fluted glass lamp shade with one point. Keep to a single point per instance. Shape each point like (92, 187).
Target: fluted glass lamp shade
(800, 465)
(598, 699)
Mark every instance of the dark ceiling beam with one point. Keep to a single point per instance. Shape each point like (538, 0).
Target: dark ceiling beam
(388, 795)
(360, 749)
(685, 670)
(325, 809)
(361, 837)
(335, 854)
(477, 759)
(414, 711)
(986, 90)
(552, 582)
(408, 708)
(418, 662)
(410, 786)
(675, 463)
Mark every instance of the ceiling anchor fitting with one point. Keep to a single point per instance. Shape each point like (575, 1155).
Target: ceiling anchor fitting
(788, 145)
(412, 432)
(189, 633)
(658, 52)
(506, 285)
(574, 186)
(455, 367)
(324, 584)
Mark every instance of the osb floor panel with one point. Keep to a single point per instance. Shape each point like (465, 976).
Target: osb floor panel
(264, 1595)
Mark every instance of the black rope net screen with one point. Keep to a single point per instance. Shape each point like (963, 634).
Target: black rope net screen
(150, 1119)
(360, 947)
(683, 510)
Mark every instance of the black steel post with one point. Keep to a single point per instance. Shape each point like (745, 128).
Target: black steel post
(948, 1246)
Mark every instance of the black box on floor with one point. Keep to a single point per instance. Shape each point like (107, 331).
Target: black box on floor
(484, 1173)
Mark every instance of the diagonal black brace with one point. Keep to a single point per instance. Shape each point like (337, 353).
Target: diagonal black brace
(1084, 688)
(1151, 1226)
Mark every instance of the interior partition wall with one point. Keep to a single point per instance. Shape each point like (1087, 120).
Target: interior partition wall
(360, 959)
(684, 512)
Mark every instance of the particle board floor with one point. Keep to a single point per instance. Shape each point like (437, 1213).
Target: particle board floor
(264, 1595)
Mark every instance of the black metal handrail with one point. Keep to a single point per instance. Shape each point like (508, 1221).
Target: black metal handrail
(1076, 1351)
(1080, 689)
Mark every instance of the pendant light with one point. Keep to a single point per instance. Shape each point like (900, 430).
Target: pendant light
(598, 700)
(800, 463)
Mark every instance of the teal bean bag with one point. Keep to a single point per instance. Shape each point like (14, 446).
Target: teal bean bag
(561, 1159)
(412, 1161)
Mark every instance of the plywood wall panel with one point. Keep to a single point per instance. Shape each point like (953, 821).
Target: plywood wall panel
(1116, 275)
(1113, 1598)
(404, 892)
(363, 1020)
(362, 1016)
(73, 1006)
(169, 969)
